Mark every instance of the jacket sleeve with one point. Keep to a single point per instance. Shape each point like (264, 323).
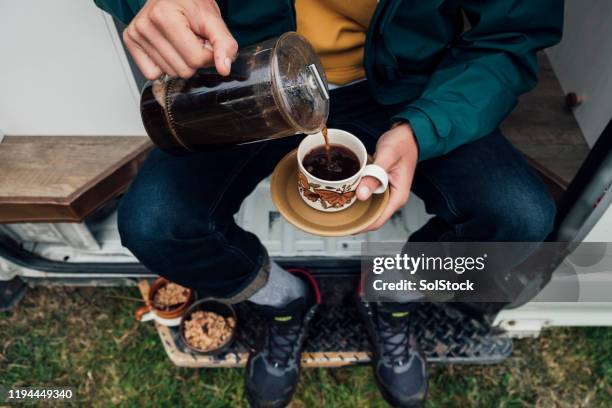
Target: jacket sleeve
(479, 80)
(122, 10)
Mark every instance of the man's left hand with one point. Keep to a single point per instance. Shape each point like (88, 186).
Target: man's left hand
(397, 153)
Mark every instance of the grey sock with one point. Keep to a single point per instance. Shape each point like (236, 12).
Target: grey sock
(281, 288)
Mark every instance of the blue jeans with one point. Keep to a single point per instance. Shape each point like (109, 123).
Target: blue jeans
(177, 217)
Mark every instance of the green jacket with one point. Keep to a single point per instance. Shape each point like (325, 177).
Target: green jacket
(456, 86)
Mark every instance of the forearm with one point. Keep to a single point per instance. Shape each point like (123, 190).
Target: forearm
(464, 102)
(478, 82)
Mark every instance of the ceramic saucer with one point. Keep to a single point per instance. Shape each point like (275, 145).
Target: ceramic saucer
(287, 199)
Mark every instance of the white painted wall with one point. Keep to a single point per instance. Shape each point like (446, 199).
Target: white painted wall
(63, 71)
(583, 62)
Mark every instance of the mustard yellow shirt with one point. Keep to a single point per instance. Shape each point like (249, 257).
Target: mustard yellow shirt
(337, 31)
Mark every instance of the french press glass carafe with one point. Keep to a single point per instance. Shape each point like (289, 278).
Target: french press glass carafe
(276, 88)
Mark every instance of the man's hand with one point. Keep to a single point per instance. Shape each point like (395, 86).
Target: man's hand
(176, 37)
(396, 152)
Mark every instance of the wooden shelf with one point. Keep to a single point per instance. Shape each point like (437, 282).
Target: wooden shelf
(64, 178)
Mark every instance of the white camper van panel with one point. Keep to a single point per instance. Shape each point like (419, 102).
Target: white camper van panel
(583, 62)
(64, 72)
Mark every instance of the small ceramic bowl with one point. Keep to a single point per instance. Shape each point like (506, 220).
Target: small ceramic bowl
(165, 317)
(209, 305)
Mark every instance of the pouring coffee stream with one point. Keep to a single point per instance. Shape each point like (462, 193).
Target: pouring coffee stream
(327, 146)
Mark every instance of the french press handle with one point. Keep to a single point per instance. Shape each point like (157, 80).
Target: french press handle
(319, 81)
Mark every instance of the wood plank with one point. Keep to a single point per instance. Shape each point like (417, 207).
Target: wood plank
(56, 167)
(64, 178)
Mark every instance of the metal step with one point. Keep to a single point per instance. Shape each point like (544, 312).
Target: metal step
(337, 337)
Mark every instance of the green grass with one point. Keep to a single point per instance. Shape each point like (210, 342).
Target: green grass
(87, 338)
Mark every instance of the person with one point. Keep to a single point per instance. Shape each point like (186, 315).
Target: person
(424, 85)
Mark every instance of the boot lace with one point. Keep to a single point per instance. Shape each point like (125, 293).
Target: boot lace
(394, 339)
(282, 342)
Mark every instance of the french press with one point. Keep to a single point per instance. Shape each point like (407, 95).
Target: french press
(276, 88)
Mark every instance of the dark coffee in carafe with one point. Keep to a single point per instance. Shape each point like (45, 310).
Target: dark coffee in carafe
(276, 88)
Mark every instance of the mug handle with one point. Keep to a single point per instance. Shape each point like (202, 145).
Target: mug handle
(374, 170)
(141, 313)
(148, 316)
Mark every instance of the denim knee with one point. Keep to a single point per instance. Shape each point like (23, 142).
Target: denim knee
(524, 213)
(145, 230)
(217, 259)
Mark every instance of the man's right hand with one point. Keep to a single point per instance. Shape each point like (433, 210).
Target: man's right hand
(176, 37)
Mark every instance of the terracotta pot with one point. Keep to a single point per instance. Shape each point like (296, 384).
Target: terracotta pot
(165, 317)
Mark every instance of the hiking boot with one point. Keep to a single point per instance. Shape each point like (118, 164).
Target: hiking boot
(398, 362)
(273, 369)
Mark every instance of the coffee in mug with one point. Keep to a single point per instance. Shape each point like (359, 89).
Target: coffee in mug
(331, 162)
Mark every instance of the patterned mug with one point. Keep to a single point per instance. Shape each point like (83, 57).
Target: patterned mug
(332, 196)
